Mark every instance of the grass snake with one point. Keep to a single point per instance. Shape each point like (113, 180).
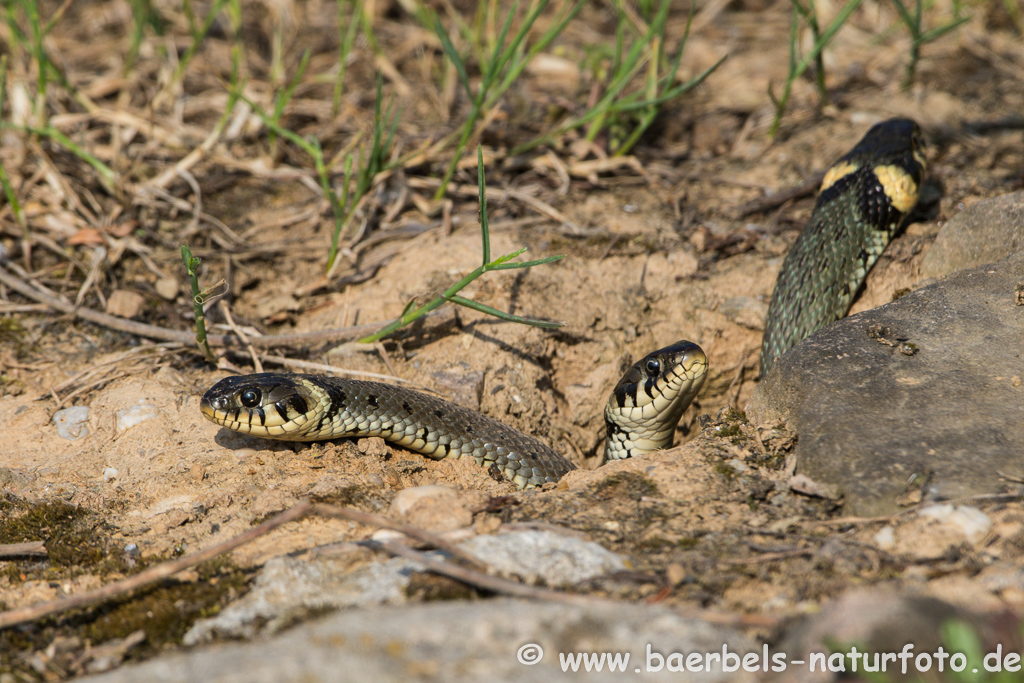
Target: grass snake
(641, 415)
(864, 200)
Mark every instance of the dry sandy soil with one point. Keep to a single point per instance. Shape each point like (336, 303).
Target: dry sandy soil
(658, 248)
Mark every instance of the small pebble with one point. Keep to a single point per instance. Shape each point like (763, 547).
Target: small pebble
(737, 465)
(71, 422)
(132, 554)
(406, 499)
(675, 573)
(167, 288)
(886, 538)
(972, 522)
(435, 508)
(109, 473)
(125, 304)
(129, 417)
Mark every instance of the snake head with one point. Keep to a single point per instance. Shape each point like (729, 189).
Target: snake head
(265, 404)
(645, 406)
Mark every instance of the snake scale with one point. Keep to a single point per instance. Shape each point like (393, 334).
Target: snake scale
(640, 416)
(863, 202)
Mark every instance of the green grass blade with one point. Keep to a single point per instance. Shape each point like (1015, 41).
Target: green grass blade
(32, 14)
(904, 14)
(340, 209)
(199, 34)
(936, 33)
(658, 87)
(494, 312)
(12, 198)
(294, 138)
(379, 146)
(107, 177)
(827, 35)
(143, 15)
(525, 264)
(453, 55)
(499, 263)
(490, 73)
(542, 43)
(801, 66)
(675, 92)
(670, 77)
(482, 198)
(500, 58)
(345, 42)
(283, 97)
(451, 294)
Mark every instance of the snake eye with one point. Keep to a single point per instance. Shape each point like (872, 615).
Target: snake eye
(250, 398)
(653, 367)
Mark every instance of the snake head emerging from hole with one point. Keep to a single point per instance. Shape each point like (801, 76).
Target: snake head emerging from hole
(641, 415)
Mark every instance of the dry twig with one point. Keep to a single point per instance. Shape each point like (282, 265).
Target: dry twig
(164, 334)
(26, 549)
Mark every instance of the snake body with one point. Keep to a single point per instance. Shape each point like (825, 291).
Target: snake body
(641, 415)
(863, 202)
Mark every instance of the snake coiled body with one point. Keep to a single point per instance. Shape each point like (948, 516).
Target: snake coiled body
(641, 415)
(864, 199)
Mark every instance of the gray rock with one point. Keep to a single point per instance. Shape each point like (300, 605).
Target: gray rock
(458, 642)
(544, 556)
(985, 232)
(287, 589)
(869, 417)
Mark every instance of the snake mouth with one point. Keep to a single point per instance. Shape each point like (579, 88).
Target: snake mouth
(689, 357)
(208, 411)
